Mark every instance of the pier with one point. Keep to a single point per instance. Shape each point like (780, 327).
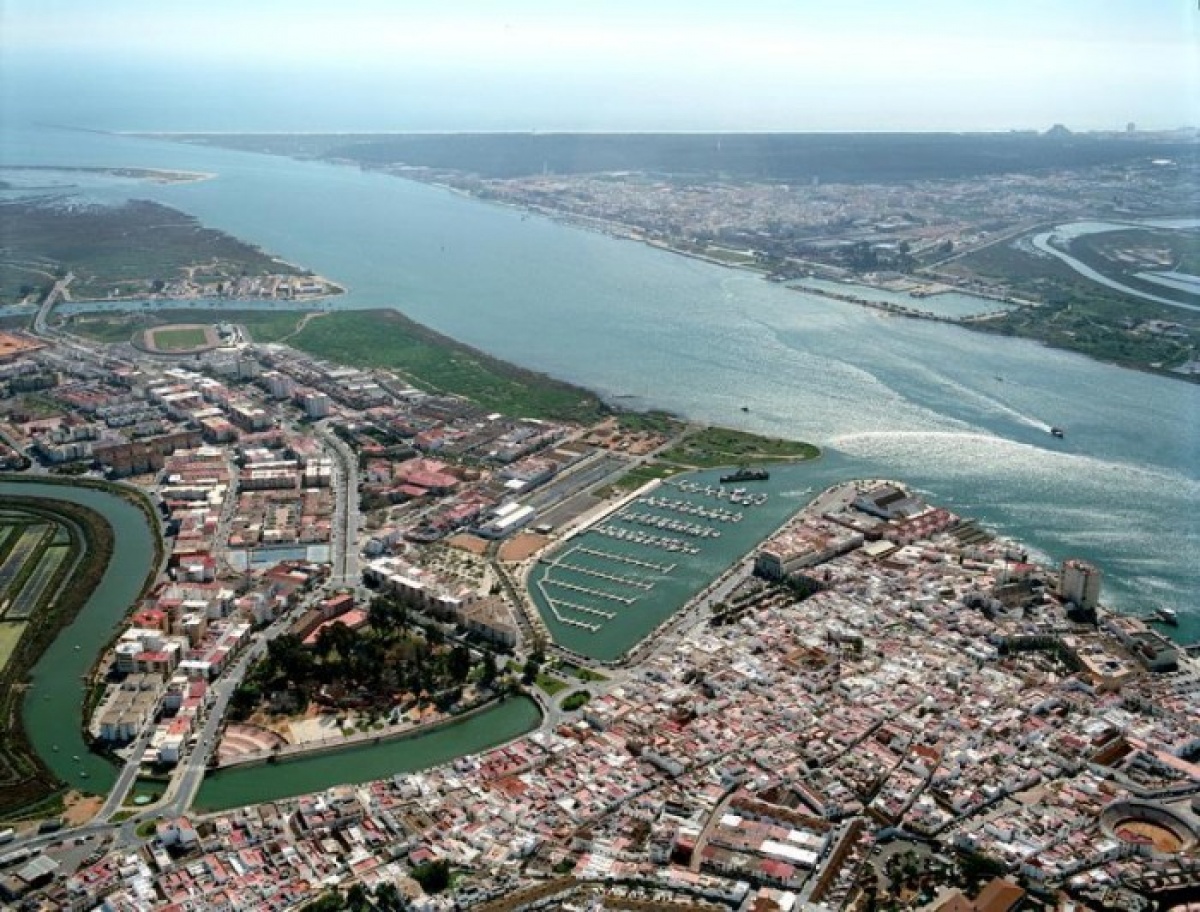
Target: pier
(587, 590)
(688, 508)
(650, 541)
(670, 525)
(600, 574)
(553, 604)
(626, 559)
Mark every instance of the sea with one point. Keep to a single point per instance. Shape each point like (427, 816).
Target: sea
(960, 416)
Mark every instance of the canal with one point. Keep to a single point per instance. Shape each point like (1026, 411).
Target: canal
(53, 706)
(243, 785)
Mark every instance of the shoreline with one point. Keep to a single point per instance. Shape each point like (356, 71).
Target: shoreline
(292, 752)
(152, 175)
(619, 231)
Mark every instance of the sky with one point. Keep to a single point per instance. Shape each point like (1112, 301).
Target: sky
(797, 65)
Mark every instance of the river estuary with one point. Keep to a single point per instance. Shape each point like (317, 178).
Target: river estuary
(962, 416)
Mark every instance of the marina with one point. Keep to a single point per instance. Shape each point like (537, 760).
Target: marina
(609, 587)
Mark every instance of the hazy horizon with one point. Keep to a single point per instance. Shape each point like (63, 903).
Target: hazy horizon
(536, 66)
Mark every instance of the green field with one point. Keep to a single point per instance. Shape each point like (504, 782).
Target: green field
(388, 339)
(124, 249)
(653, 421)
(1079, 314)
(183, 338)
(263, 325)
(636, 477)
(10, 634)
(550, 684)
(713, 447)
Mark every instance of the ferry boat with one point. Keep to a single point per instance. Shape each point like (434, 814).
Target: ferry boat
(745, 475)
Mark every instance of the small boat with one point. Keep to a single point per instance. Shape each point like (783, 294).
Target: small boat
(1168, 616)
(745, 408)
(1057, 432)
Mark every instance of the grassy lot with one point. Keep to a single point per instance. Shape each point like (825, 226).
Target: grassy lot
(180, 339)
(636, 477)
(653, 422)
(388, 339)
(10, 633)
(583, 674)
(712, 447)
(550, 684)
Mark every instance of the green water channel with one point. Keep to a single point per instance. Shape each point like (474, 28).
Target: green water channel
(53, 706)
(267, 782)
(789, 489)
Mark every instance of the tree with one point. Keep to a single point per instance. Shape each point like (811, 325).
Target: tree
(537, 647)
(459, 663)
(433, 876)
(358, 899)
(388, 898)
(489, 672)
(530, 672)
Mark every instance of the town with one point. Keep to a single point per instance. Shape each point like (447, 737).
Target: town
(881, 701)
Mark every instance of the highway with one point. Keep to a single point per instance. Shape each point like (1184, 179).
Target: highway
(40, 320)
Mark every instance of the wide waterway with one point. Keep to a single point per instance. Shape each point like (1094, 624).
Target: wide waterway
(242, 785)
(962, 415)
(53, 705)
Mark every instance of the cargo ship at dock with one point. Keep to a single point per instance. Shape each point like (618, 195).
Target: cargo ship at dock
(745, 475)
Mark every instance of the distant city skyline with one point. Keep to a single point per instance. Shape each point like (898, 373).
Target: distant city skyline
(859, 65)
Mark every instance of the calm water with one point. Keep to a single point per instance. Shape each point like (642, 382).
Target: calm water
(53, 705)
(254, 784)
(789, 489)
(962, 416)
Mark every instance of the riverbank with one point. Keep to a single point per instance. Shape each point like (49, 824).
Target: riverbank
(25, 779)
(1039, 316)
(498, 724)
(45, 705)
(136, 249)
(290, 752)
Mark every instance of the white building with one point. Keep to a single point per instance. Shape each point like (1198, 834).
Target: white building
(1080, 583)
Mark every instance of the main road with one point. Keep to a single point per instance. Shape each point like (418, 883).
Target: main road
(344, 539)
